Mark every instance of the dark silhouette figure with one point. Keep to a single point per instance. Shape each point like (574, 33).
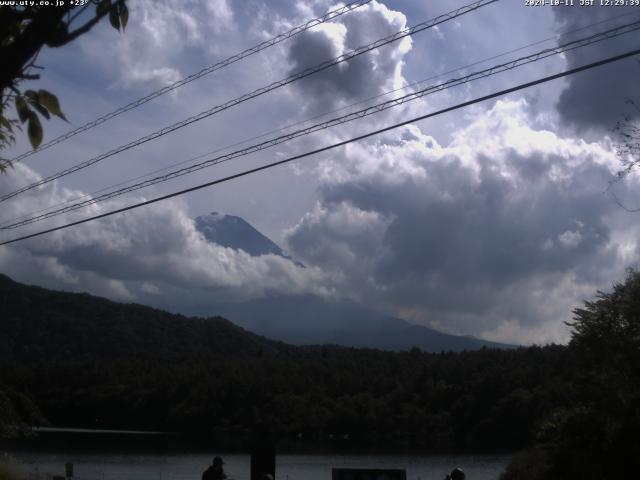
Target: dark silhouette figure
(215, 470)
(456, 474)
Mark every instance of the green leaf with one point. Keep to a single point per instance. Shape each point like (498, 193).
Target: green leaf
(50, 102)
(22, 109)
(114, 18)
(5, 123)
(31, 95)
(35, 130)
(103, 7)
(124, 15)
(43, 111)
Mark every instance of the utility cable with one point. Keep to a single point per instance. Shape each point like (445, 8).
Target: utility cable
(309, 119)
(261, 91)
(335, 145)
(598, 37)
(194, 76)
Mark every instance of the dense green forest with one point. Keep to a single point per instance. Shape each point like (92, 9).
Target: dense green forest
(576, 407)
(486, 400)
(40, 324)
(597, 434)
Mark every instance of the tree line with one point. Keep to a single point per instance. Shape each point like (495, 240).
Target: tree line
(575, 409)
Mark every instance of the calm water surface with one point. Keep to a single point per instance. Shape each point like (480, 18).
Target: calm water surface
(288, 467)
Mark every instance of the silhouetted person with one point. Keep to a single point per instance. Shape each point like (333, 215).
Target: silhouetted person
(456, 474)
(215, 470)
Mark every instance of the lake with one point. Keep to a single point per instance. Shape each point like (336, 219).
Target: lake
(112, 466)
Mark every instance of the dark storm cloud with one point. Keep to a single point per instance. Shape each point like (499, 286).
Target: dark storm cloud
(501, 233)
(468, 235)
(596, 99)
(361, 77)
(468, 229)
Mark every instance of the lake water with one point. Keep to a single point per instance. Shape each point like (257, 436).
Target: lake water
(288, 467)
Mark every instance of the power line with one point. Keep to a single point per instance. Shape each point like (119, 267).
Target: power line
(535, 57)
(335, 145)
(194, 76)
(8, 223)
(261, 91)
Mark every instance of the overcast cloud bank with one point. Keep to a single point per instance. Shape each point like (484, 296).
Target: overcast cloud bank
(500, 234)
(498, 230)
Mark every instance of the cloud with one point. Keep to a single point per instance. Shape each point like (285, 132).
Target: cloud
(155, 254)
(160, 41)
(500, 233)
(596, 99)
(494, 225)
(361, 77)
(338, 236)
(220, 15)
(142, 254)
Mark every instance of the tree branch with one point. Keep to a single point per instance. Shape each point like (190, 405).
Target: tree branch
(78, 13)
(86, 27)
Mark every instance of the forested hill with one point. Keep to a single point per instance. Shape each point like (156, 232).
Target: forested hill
(79, 361)
(37, 323)
(73, 360)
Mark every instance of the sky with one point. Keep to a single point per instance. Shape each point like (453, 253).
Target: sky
(495, 220)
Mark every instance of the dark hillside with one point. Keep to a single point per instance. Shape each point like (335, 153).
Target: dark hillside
(72, 360)
(37, 323)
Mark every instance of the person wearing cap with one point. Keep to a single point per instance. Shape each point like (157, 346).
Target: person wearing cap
(215, 470)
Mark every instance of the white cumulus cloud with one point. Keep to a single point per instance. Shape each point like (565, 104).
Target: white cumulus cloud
(500, 233)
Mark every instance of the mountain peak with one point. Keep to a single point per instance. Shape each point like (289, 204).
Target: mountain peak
(234, 232)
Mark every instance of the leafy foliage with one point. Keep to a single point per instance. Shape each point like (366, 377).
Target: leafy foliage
(606, 332)
(77, 360)
(628, 132)
(596, 436)
(24, 31)
(86, 361)
(529, 465)
(450, 402)
(39, 324)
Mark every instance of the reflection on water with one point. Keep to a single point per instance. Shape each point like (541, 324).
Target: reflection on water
(288, 467)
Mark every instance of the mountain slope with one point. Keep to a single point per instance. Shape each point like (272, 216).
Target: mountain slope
(306, 320)
(37, 323)
(235, 232)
